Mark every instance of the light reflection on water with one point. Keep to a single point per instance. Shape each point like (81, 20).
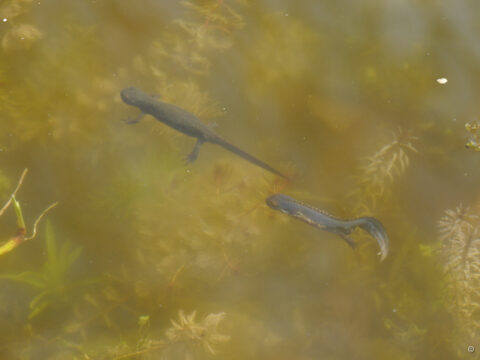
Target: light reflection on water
(342, 96)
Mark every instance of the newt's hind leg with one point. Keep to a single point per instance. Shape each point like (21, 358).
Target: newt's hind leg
(136, 120)
(349, 241)
(194, 154)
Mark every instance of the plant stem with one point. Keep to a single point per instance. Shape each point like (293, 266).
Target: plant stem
(18, 213)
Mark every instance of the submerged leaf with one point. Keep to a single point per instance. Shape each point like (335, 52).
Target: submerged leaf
(21, 37)
(53, 282)
(203, 332)
(28, 277)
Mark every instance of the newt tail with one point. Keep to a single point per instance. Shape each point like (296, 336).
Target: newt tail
(232, 148)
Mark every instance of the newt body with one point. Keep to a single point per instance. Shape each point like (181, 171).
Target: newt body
(323, 221)
(186, 123)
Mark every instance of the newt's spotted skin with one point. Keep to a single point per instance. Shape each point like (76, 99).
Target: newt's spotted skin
(322, 221)
(184, 122)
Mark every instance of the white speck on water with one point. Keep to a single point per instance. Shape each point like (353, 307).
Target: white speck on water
(224, 109)
(454, 119)
(442, 81)
(465, 174)
(4, 19)
(286, 14)
(394, 310)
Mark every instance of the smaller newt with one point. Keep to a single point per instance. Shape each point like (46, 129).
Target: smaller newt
(323, 221)
(185, 122)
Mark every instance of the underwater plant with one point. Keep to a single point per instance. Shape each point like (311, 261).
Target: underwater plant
(181, 341)
(460, 236)
(381, 169)
(18, 36)
(473, 142)
(203, 332)
(21, 36)
(209, 27)
(21, 233)
(52, 282)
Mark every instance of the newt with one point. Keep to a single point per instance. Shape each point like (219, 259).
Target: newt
(324, 221)
(185, 122)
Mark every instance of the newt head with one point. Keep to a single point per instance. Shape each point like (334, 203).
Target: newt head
(132, 96)
(279, 202)
(272, 202)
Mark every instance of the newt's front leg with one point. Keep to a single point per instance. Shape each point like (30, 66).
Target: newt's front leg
(196, 149)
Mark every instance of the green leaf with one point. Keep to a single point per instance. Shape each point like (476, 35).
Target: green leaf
(38, 310)
(68, 255)
(28, 277)
(38, 298)
(51, 244)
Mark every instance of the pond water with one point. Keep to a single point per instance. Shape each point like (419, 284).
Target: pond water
(370, 108)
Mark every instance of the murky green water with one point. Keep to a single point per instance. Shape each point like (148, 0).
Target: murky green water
(363, 104)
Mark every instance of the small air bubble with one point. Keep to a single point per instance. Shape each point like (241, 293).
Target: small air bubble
(5, 20)
(471, 348)
(442, 81)
(394, 310)
(286, 14)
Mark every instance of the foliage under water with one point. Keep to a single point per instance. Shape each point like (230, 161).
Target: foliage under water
(146, 257)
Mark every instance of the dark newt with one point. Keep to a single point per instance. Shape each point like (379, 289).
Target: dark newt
(321, 220)
(184, 122)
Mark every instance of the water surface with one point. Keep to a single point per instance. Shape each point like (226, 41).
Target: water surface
(345, 97)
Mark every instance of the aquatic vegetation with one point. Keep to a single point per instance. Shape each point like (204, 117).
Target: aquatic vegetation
(473, 142)
(21, 234)
(379, 173)
(53, 283)
(282, 53)
(218, 217)
(208, 28)
(11, 9)
(191, 45)
(460, 236)
(21, 36)
(187, 329)
(405, 333)
(182, 340)
(44, 120)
